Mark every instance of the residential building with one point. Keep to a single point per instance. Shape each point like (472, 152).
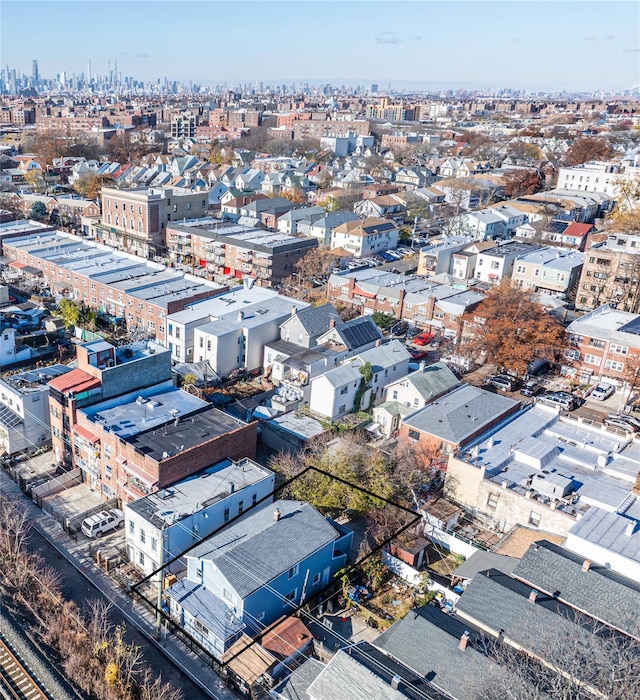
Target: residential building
(382, 207)
(610, 272)
(150, 438)
(457, 418)
(263, 565)
(408, 394)
(119, 286)
(511, 216)
(497, 263)
(103, 372)
(552, 271)
(605, 346)
(437, 258)
(322, 228)
(543, 470)
(162, 525)
(365, 237)
(306, 325)
(24, 409)
(463, 264)
(481, 225)
(230, 332)
(135, 220)
(184, 125)
(288, 223)
(344, 389)
(597, 176)
(226, 250)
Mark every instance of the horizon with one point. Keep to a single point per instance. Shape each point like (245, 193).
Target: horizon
(570, 47)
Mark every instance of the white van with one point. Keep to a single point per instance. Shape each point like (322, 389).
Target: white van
(102, 522)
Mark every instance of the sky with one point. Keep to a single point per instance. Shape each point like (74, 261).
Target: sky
(530, 44)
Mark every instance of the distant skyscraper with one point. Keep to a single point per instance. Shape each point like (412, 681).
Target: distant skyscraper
(35, 75)
(374, 88)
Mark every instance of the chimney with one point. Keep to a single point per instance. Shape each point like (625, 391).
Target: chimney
(395, 682)
(332, 323)
(294, 310)
(586, 564)
(533, 596)
(464, 640)
(631, 526)
(276, 515)
(240, 315)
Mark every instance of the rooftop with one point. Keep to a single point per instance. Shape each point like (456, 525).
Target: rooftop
(32, 381)
(199, 491)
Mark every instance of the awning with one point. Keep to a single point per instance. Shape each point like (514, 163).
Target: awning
(146, 479)
(17, 265)
(492, 276)
(362, 293)
(85, 434)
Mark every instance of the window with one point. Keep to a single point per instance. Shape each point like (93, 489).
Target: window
(240, 507)
(595, 343)
(344, 390)
(254, 499)
(290, 597)
(394, 396)
(592, 360)
(414, 435)
(227, 595)
(293, 571)
(226, 515)
(143, 536)
(612, 364)
(316, 580)
(199, 627)
(141, 558)
(619, 349)
(492, 501)
(154, 544)
(534, 519)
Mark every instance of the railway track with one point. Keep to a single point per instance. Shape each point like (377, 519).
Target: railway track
(17, 682)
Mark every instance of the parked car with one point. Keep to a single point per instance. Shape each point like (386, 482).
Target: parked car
(413, 332)
(531, 388)
(99, 524)
(602, 391)
(400, 328)
(558, 400)
(423, 338)
(502, 381)
(620, 424)
(418, 354)
(538, 366)
(631, 420)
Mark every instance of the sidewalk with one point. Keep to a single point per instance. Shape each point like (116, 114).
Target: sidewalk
(139, 615)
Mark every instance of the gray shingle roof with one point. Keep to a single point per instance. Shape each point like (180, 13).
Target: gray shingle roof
(427, 641)
(316, 319)
(206, 607)
(606, 595)
(481, 560)
(295, 686)
(434, 380)
(461, 413)
(256, 549)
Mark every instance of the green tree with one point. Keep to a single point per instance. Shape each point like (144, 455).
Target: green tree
(76, 315)
(382, 320)
(38, 211)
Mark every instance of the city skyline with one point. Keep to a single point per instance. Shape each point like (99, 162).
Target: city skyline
(546, 46)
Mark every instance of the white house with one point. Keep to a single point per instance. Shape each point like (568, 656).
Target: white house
(344, 389)
(497, 263)
(365, 237)
(165, 523)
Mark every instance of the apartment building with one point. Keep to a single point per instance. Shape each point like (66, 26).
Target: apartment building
(438, 258)
(598, 176)
(24, 409)
(605, 345)
(226, 250)
(117, 285)
(366, 236)
(553, 271)
(135, 220)
(184, 125)
(610, 273)
(230, 332)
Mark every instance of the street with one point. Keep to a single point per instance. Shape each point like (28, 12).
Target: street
(76, 587)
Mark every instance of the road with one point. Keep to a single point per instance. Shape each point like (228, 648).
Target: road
(76, 587)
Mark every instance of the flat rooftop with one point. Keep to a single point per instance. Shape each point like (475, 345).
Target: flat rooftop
(538, 441)
(32, 381)
(199, 491)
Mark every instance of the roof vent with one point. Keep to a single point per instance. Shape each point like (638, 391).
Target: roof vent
(276, 515)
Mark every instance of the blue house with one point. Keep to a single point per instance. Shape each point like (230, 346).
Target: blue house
(261, 567)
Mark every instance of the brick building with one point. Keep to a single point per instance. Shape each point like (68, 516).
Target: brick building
(135, 220)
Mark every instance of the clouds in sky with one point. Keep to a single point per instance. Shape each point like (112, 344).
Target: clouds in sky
(389, 37)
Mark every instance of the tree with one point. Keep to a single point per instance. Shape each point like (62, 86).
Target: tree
(74, 315)
(519, 182)
(89, 185)
(38, 211)
(382, 320)
(586, 149)
(509, 329)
